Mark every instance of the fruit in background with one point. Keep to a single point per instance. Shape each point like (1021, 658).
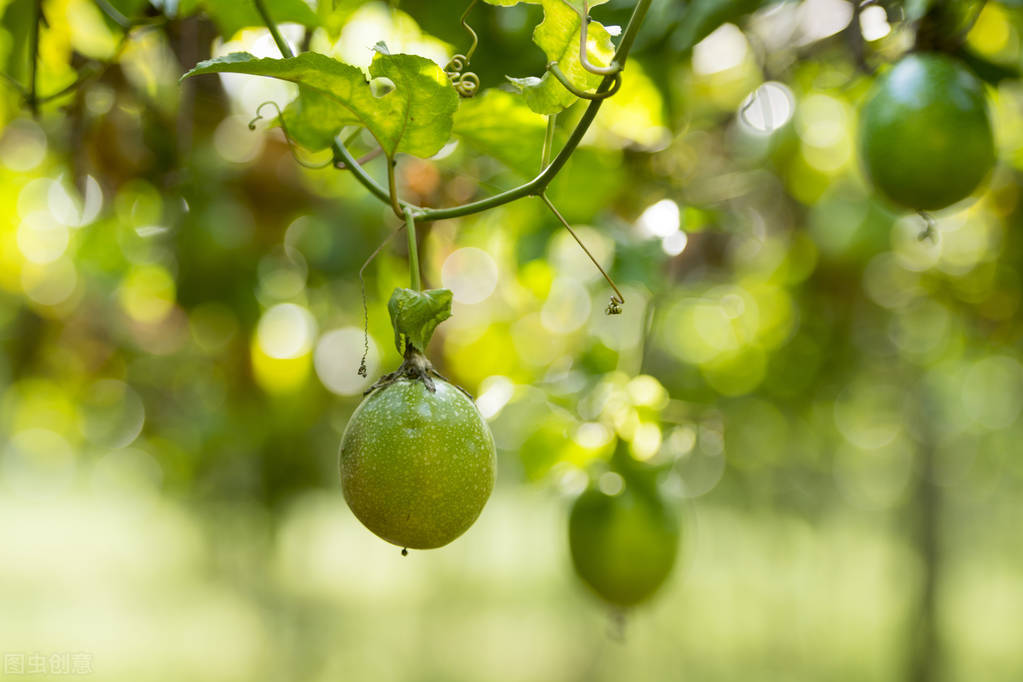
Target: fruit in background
(623, 545)
(925, 133)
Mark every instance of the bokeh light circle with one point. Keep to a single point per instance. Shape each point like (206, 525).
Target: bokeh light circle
(37, 462)
(286, 331)
(661, 219)
(768, 108)
(470, 274)
(567, 306)
(337, 357)
(51, 284)
(41, 239)
(23, 145)
(112, 414)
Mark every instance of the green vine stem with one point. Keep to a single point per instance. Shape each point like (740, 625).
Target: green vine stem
(584, 60)
(548, 141)
(392, 185)
(413, 251)
(365, 158)
(287, 136)
(466, 83)
(472, 33)
(114, 14)
(340, 151)
(582, 94)
(342, 155)
(275, 32)
(534, 187)
(539, 184)
(365, 306)
(614, 307)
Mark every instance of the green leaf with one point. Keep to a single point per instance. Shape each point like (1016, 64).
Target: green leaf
(231, 16)
(558, 36)
(313, 119)
(416, 314)
(415, 118)
(499, 124)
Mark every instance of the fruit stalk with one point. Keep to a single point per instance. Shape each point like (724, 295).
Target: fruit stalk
(413, 251)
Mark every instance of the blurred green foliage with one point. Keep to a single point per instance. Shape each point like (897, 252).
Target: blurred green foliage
(836, 404)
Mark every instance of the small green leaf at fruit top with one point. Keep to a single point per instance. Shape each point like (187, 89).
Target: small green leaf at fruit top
(416, 314)
(415, 118)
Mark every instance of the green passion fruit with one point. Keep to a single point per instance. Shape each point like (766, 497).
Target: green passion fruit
(925, 133)
(624, 545)
(417, 465)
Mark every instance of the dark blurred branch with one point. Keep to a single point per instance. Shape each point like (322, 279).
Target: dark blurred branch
(124, 22)
(965, 31)
(88, 72)
(188, 53)
(10, 80)
(33, 56)
(94, 70)
(114, 14)
(936, 29)
(854, 38)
